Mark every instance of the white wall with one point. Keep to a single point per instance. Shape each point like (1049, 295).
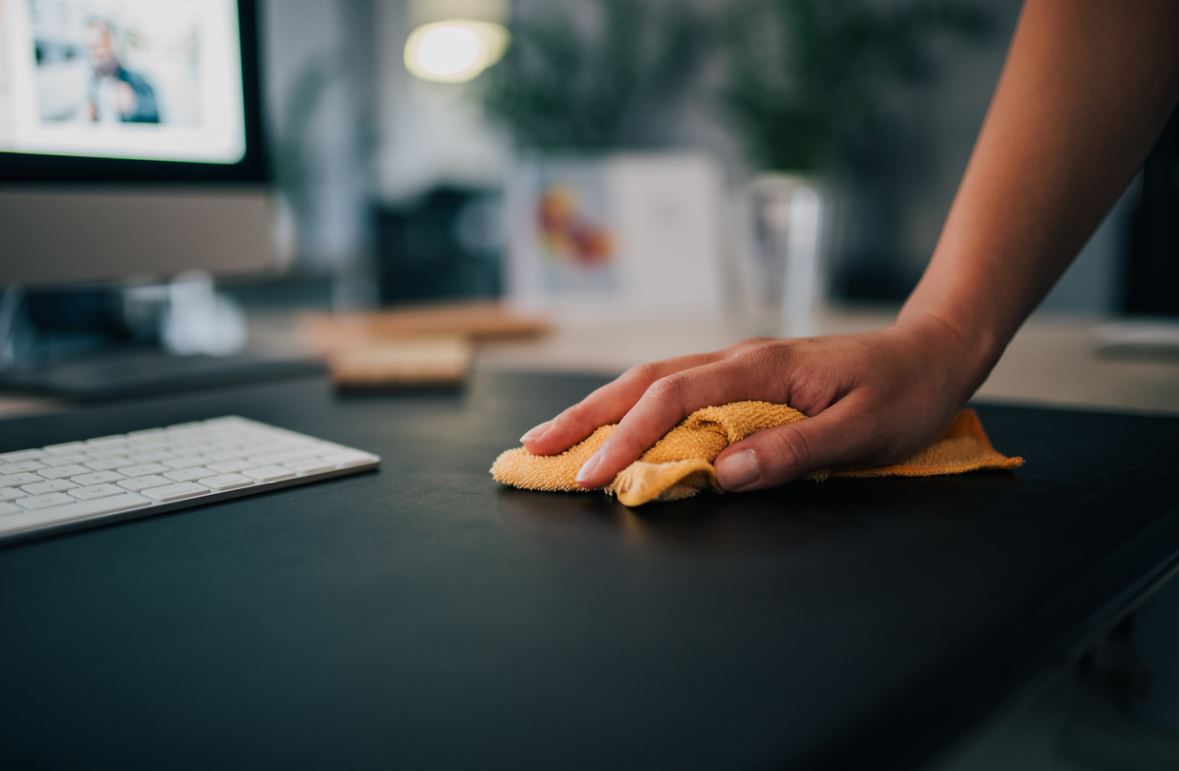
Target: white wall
(334, 35)
(428, 133)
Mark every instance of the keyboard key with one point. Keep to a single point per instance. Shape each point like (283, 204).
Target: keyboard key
(65, 447)
(100, 441)
(96, 491)
(9, 508)
(66, 459)
(142, 483)
(227, 482)
(43, 501)
(61, 472)
(229, 466)
(309, 465)
(188, 474)
(20, 467)
(142, 469)
(282, 458)
(107, 464)
(49, 486)
(191, 446)
(16, 480)
(269, 473)
(75, 510)
(97, 478)
(268, 448)
(152, 456)
(11, 493)
(108, 446)
(16, 457)
(185, 461)
(146, 444)
(218, 450)
(176, 492)
(348, 458)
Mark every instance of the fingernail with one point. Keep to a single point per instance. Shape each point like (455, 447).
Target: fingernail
(535, 432)
(588, 468)
(738, 470)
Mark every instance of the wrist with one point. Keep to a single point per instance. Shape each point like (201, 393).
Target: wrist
(965, 354)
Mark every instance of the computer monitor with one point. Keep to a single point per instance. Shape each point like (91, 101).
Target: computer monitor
(130, 141)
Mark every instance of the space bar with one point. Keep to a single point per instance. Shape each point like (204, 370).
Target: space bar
(70, 512)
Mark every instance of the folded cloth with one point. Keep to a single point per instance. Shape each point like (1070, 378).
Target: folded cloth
(680, 464)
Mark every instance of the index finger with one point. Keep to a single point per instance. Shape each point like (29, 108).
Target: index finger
(607, 404)
(662, 406)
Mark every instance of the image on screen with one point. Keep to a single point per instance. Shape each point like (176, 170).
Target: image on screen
(131, 79)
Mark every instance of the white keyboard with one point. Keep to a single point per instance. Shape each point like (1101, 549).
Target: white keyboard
(161, 469)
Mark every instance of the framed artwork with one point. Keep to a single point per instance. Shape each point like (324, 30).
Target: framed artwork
(639, 234)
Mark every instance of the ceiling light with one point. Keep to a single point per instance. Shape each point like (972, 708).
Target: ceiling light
(454, 50)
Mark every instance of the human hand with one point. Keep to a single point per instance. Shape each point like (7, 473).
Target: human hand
(872, 399)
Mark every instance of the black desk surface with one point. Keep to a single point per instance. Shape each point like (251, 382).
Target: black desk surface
(421, 616)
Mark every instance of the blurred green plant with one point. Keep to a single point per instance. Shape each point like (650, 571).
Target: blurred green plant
(571, 86)
(812, 84)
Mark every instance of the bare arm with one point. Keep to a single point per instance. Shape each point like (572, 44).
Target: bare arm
(1085, 91)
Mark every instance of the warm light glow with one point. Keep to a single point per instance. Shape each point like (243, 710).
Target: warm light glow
(454, 51)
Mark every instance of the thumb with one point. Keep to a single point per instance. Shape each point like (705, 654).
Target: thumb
(834, 437)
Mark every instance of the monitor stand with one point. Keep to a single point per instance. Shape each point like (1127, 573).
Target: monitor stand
(54, 364)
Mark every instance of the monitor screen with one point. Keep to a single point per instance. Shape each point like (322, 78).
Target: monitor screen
(131, 80)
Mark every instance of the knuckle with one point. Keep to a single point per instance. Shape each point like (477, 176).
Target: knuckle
(765, 366)
(667, 389)
(745, 345)
(627, 445)
(755, 347)
(574, 416)
(646, 372)
(577, 412)
(755, 356)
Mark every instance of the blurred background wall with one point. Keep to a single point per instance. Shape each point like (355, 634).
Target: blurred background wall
(321, 82)
(361, 143)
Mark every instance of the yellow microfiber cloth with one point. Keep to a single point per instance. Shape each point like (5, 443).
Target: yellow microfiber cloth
(680, 464)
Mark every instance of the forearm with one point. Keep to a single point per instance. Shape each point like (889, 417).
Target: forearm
(1087, 86)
